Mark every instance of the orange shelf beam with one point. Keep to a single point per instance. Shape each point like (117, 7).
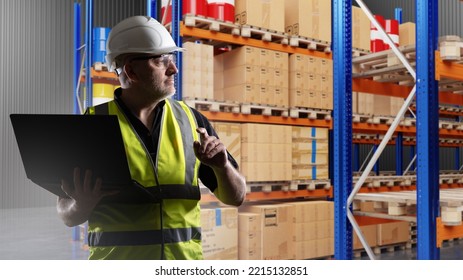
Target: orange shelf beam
(448, 69)
(390, 89)
(232, 117)
(253, 196)
(447, 232)
(239, 40)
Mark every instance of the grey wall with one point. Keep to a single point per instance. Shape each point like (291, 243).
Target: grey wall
(36, 57)
(450, 13)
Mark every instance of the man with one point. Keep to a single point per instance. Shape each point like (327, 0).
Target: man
(166, 157)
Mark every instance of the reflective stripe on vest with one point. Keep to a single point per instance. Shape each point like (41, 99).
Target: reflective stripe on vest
(141, 238)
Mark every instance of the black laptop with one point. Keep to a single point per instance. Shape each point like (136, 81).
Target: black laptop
(51, 146)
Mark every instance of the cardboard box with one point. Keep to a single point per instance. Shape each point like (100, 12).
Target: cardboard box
(220, 233)
(243, 74)
(280, 78)
(314, 82)
(244, 93)
(326, 83)
(281, 97)
(314, 248)
(299, 62)
(301, 145)
(230, 135)
(312, 211)
(268, 14)
(256, 152)
(365, 103)
(267, 58)
(407, 34)
(298, 80)
(318, 133)
(280, 134)
(267, 94)
(309, 18)
(313, 100)
(277, 230)
(280, 60)
(360, 29)
(280, 171)
(249, 222)
(326, 67)
(298, 98)
(370, 233)
(391, 233)
(256, 133)
(314, 65)
(256, 171)
(326, 100)
(245, 55)
(309, 172)
(249, 253)
(382, 105)
(281, 152)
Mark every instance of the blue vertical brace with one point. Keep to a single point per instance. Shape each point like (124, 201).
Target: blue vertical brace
(399, 154)
(152, 8)
(88, 52)
(412, 155)
(342, 127)
(175, 29)
(398, 14)
(77, 57)
(427, 129)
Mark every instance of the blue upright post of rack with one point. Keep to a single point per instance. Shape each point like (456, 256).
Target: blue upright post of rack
(77, 57)
(398, 14)
(427, 129)
(376, 166)
(152, 8)
(88, 52)
(342, 127)
(399, 154)
(175, 29)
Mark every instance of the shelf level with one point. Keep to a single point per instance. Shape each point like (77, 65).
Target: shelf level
(186, 31)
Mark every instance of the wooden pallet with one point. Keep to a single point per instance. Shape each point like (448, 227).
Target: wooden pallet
(310, 43)
(313, 114)
(264, 34)
(400, 203)
(377, 250)
(358, 118)
(450, 48)
(267, 187)
(256, 109)
(211, 24)
(310, 185)
(213, 106)
(100, 66)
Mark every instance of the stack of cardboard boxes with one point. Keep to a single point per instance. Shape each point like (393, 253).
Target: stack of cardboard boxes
(265, 152)
(360, 30)
(249, 236)
(310, 82)
(253, 75)
(230, 135)
(198, 71)
(310, 153)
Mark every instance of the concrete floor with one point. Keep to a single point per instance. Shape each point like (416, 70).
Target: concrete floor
(38, 234)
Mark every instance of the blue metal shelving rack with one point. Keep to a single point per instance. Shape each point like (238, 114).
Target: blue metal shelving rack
(427, 127)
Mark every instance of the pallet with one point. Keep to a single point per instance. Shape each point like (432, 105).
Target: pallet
(450, 48)
(356, 52)
(267, 187)
(213, 106)
(264, 34)
(256, 109)
(100, 66)
(377, 250)
(313, 114)
(211, 24)
(310, 185)
(358, 118)
(310, 43)
(402, 203)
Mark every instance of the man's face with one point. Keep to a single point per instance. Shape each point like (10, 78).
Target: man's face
(156, 74)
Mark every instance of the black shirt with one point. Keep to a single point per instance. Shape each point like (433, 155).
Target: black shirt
(151, 139)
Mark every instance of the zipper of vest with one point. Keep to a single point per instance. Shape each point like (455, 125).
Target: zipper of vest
(161, 214)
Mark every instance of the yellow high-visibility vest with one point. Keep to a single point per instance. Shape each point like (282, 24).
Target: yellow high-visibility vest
(169, 229)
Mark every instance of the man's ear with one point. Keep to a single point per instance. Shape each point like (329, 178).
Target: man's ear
(129, 72)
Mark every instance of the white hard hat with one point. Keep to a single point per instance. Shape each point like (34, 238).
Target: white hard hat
(138, 34)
